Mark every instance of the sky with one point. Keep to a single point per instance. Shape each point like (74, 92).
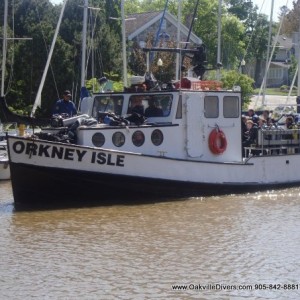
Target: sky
(264, 6)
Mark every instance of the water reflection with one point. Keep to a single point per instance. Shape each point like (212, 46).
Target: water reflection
(140, 251)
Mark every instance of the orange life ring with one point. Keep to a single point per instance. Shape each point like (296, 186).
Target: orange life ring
(217, 141)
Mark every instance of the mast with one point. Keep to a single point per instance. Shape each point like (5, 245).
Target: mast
(37, 102)
(178, 55)
(268, 54)
(4, 48)
(83, 42)
(219, 38)
(298, 67)
(124, 45)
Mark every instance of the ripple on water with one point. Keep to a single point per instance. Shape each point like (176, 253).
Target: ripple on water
(140, 251)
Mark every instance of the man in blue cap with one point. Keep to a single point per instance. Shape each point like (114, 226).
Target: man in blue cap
(65, 105)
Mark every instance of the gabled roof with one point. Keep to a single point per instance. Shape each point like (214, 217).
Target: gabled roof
(142, 21)
(284, 42)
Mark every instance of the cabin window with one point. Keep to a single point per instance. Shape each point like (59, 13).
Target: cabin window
(138, 138)
(118, 139)
(150, 106)
(231, 107)
(179, 108)
(98, 139)
(107, 103)
(157, 137)
(211, 107)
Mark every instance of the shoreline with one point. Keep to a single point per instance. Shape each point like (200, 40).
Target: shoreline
(272, 101)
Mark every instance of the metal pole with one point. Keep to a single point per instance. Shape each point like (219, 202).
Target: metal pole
(83, 42)
(178, 55)
(268, 54)
(124, 45)
(37, 102)
(4, 49)
(298, 58)
(219, 38)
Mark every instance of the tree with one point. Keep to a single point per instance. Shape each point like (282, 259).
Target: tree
(291, 20)
(233, 78)
(37, 20)
(240, 8)
(233, 42)
(258, 46)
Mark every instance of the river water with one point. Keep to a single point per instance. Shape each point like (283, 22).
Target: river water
(228, 247)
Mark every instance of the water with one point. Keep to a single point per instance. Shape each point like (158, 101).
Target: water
(141, 251)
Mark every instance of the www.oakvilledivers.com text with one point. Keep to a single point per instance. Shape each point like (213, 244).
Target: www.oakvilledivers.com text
(215, 287)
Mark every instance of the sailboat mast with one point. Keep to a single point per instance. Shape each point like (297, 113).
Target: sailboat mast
(219, 38)
(298, 60)
(268, 54)
(37, 102)
(178, 56)
(4, 48)
(124, 44)
(83, 45)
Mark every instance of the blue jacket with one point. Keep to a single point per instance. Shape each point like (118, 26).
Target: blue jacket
(64, 107)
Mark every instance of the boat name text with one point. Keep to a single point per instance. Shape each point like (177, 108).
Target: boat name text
(65, 153)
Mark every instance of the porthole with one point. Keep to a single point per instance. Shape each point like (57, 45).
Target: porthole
(118, 139)
(138, 138)
(98, 139)
(157, 137)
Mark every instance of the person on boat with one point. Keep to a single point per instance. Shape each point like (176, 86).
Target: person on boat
(289, 122)
(266, 116)
(252, 115)
(136, 105)
(153, 110)
(251, 134)
(262, 123)
(244, 128)
(65, 105)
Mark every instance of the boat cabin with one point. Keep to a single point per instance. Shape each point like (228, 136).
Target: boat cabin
(183, 124)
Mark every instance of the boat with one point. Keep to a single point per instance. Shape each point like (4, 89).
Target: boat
(194, 147)
(185, 140)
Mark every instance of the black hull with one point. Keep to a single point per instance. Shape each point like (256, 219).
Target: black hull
(47, 188)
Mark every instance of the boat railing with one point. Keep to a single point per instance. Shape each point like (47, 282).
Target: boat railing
(275, 137)
(275, 142)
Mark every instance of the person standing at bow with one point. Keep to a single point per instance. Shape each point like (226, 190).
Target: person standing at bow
(65, 105)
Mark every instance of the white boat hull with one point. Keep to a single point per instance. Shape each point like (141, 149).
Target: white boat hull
(64, 172)
(4, 162)
(4, 169)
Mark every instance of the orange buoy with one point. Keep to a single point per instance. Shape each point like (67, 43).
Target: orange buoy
(217, 141)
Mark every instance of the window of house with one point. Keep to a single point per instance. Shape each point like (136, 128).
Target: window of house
(275, 73)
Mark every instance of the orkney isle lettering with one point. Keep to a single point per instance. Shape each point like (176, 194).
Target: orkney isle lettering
(65, 153)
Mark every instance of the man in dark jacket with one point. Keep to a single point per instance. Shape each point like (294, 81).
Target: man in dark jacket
(251, 134)
(65, 105)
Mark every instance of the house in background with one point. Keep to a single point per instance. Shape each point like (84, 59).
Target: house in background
(141, 25)
(278, 74)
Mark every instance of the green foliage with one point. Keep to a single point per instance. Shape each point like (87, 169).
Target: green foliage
(118, 86)
(244, 35)
(233, 43)
(26, 59)
(234, 78)
(92, 85)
